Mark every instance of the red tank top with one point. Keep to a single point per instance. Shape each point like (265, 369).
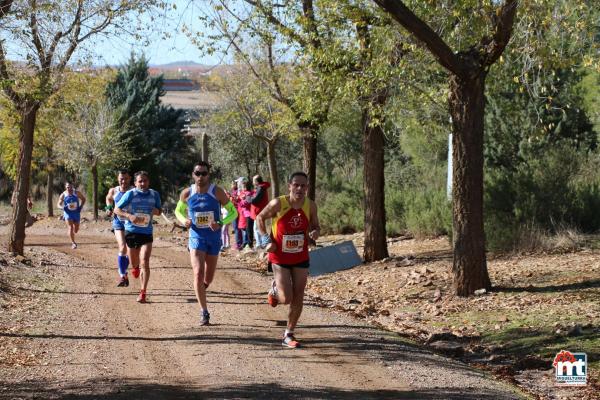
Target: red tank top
(290, 233)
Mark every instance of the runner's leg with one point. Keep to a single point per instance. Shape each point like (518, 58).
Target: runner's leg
(71, 230)
(122, 259)
(299, 278)
(198, 259)
(134, 256)
(283, 283)
(146, 251)
(210, 266)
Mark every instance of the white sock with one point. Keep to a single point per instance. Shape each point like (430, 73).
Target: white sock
(288, 332)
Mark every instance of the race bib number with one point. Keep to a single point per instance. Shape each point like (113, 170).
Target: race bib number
(72, 206)
(143, 220)
(293, 243)
(204, 219)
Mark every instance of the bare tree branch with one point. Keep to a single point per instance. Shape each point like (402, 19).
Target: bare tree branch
(502, 32)
(35, 36)
(274, 75)
(405, 17)
(277, 23)
(5, 6)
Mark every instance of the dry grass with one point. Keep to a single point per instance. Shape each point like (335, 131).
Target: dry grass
(538, 240)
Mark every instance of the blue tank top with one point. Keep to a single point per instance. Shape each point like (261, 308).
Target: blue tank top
(203, 208)
(119, 221)
(71, 205)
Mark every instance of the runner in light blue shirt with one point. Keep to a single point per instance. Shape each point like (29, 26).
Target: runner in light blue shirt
(138, 206)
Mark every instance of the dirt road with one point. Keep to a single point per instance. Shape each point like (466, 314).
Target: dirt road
(96, 342)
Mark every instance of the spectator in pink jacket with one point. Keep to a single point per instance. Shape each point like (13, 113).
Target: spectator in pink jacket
(259, 201)
(245, 197)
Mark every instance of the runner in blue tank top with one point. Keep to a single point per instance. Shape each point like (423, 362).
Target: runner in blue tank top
(138, 206)
(199, 209)
(118, 224)
(71, 201)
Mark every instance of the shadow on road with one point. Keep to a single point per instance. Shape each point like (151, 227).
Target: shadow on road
(104, 390)
(592, 283)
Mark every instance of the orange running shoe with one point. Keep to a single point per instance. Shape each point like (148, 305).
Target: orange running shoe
(142, 297)
(290, 341)
(272, 296)
(135, 271)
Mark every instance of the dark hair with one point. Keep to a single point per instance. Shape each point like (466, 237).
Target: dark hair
(140, 173)
(124, 172)
(202, 164)
(259, 179)
(297, 173)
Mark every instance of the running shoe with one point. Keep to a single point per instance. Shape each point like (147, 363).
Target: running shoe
(205, 318)
(74, 246)
(135, 271)
(142, 297)
(290, 341)
(272, 296)
(123, 282)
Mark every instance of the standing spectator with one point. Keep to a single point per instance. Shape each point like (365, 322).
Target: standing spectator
(224, 230)
(245, 196)
(237, 234)
(258, 202)
(241, 182)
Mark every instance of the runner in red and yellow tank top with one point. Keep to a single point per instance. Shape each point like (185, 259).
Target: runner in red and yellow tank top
(290, 228)
(294, 222)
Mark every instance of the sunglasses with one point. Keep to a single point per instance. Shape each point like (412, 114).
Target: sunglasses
(200, 173)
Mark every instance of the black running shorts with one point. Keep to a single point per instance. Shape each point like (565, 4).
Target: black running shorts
(303, 264)
(137, 240)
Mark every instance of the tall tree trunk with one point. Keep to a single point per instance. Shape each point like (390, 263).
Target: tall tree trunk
(467, 105)
(28, 116)
(374, 187)
(49, 194)
(95, 189)
(309, 143)
(272, 161)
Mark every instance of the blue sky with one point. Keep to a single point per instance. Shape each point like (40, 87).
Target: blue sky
(116, 51)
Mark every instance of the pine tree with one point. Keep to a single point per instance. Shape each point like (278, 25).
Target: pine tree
(158, 146)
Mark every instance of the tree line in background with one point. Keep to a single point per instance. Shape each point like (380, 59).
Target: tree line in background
(101, 121)
(374, 88)
(362, 95)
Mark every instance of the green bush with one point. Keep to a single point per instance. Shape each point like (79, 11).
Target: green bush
(428, 212)
(340, 206)
(394, 211)
(551, 192)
